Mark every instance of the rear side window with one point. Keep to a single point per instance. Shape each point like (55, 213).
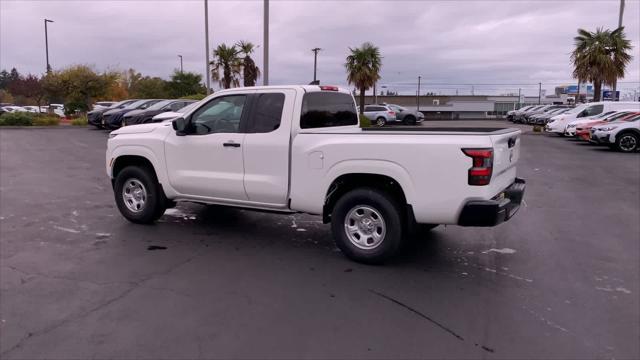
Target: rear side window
(267, 113)
(326, 109)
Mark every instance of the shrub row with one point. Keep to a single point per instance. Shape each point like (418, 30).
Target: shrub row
(28, 119)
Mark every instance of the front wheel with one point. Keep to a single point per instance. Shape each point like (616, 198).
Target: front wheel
(627, 142)
(138, 195)
(381, 121)
(366, 225)
(410, 120)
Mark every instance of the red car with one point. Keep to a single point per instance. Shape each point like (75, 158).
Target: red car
(583, 131)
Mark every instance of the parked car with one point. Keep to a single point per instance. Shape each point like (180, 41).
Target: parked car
(33, 109)
(380, 115)
(112, 119)
(146, 115)
(170, 115)
(542, 119)
(558, 124)
(524, 118)
(103, 105)
(611, 116)
(583, 131)
(513, 113)
(264, 157)
(623, 136)
(551, 109)
(406, 116)
(95, 117)
(518, 118)
(13, 108)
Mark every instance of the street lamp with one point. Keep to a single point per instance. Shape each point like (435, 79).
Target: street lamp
(265, 34)
(206, 40)
(180, 56)
(46, 43)
(315, 64)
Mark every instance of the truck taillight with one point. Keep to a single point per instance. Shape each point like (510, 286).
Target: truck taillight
(480, 172)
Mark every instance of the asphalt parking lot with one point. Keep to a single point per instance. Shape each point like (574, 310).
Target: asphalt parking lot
(560, 280)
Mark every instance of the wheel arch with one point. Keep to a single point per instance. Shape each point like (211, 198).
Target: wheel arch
(349, 181)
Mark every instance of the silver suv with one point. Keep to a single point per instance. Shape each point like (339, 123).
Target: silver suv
(406, 116)
(379, 114)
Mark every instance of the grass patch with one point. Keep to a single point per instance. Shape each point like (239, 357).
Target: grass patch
(80, 121)
(28, 119)
(364, 121)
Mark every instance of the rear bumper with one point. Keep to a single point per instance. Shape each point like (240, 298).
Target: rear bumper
(495, 211)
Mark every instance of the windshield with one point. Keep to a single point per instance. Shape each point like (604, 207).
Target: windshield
(120, 103)
(189, 107)
(160, 104)
(134, 105)
(577, 109)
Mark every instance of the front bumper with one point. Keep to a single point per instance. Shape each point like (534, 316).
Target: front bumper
(495, 211)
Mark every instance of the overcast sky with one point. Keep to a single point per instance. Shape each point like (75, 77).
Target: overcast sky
(446, 42)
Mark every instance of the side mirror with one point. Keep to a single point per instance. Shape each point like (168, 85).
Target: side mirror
(180, 126)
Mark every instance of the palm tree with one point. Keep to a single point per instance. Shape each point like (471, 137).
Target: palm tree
(250, 71)
(600, 57)
(363, 68)
(225, 59)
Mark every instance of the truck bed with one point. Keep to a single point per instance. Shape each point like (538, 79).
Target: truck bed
(450, 129)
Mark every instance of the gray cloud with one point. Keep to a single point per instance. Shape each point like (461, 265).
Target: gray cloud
(460, 42)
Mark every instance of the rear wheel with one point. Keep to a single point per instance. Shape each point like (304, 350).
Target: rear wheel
(367, 226)
(627, 142)
(381, 121)
(138, 195)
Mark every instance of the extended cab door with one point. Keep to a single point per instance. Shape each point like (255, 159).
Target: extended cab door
(266, 146)
(207, 162)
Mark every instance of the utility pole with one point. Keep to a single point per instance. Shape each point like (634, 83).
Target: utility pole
(180, 56)
(418, 94)
(265, 70)
(46, 43)
(206, 40)
(473, 90)
(539, 93)
(519, 94)
(315, 63)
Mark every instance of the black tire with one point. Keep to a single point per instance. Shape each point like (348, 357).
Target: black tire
(410, 120)
(627, 142)
(381, 121)
(391, 215)
(154, 201)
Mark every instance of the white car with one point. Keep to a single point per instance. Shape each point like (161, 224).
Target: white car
(12, 108)
(622, 135)
(558, 124)
(571, 127)
(299, 149)
(33, 109)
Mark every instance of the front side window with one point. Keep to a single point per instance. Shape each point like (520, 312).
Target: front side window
(593, 110)
(267, 113)
(220, 115)
(327, 109)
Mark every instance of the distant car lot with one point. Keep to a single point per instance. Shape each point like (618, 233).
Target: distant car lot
(79, 281)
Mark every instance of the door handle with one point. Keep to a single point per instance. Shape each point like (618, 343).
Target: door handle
(231, 144)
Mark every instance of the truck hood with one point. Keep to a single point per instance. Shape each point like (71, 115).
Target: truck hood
(138, 129)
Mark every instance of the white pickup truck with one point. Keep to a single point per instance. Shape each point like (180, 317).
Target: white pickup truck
(300, 149)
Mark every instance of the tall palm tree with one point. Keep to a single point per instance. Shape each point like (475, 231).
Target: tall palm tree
(363, 68)
(225, 59)
(600, 57)
(250, 71)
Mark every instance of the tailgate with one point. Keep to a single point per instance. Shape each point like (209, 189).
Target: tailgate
(506, 152)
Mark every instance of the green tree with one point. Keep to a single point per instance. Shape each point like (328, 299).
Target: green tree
(226, 60)
(150, 88)
(4, 79)
(363, 68)
(78, 86)
(185, 84)
(27, 89)
(5, 97)
(250, 70)
(600, 57)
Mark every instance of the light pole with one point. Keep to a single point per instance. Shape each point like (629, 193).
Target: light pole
(180, 56)
(615, 82)
(46, 43)
(418, 94)
(315, 64)
(206, 40)
(265, 70)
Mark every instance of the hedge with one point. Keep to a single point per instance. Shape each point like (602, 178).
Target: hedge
(28, 119)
